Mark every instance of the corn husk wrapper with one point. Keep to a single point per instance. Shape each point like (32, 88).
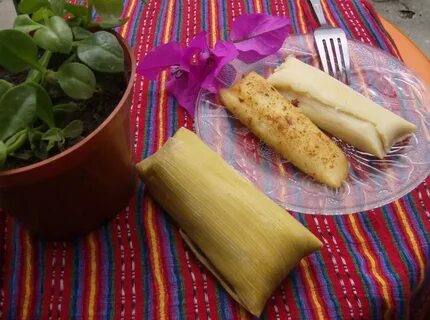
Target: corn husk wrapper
(247, 241)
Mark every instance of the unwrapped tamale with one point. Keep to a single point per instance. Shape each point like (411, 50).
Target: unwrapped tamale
(246, 240)
(273, 119)
(338, 109)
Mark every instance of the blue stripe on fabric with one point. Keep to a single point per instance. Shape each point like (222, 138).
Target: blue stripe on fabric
(385, 262)
(16, 269)
(360, 264)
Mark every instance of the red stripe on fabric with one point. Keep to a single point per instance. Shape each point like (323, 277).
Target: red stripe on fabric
(68, 279)
(145, 38)
(393, 254)
(353, 281)
(332, 264)
(280, 305)
(418, 253)
(269, 309)
(421, 197)
(355, 24)
(195, 267)
(47, 309)
(391, 44)
(116, 272)
(57, 287)
(123, 221)
(287, 287)
(138, 252)
(378, 268)
(211, 290)
(309, 15)
(6, 242)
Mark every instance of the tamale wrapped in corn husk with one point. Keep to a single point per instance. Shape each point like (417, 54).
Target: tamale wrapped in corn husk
(246, 240)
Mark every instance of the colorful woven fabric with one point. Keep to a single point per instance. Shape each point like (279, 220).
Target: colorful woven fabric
(374, 265)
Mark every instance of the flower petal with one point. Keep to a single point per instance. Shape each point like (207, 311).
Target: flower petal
(222, 54)
(259, 35)
(184, 94)
(159, 59)
(197, 45)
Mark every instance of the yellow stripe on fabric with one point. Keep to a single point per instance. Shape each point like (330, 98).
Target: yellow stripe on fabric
(311, 285)
(327, 13)
(243, 315)
(315, 300)
(163, 77)
(257, 6)
(27, 275)
(382, 283)
(213, 23)
(162, 291)
(128, 25)
(93, 285)
(157, 261)
(301, 17)
(412, 239)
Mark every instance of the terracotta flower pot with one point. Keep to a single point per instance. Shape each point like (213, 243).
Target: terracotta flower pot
(75, 191)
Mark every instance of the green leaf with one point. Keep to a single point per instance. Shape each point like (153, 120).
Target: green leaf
(77, 80)
(44, 109)
(66, 107)
(53, 136)
(108, 9)
(17, 51)
(57, 7)
(41, 14)
(25, 24)
(80, 33)
(16, 141)
(73, 129)
(3, 153)
(56, 36)
(17, 109)
(76, 10)
(30, 6)
(37, 145)
(75, 22)
(102, 52)
(111, 23)
(4, 86)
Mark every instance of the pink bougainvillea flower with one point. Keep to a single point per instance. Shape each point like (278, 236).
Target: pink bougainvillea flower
(192, 68)
(197, 66)
(258, 35)
(159, 59)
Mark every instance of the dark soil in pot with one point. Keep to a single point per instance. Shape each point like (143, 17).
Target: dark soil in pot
(92, 112)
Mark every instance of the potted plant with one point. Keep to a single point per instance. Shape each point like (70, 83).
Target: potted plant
(65, 93)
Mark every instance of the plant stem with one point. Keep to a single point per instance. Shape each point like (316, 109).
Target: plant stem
(35, 75)
(70, 59)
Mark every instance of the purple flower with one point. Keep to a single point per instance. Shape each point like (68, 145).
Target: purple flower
(192, 68)
(259, 35)
(197, 66)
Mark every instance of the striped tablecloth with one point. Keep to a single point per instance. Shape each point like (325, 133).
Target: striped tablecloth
(374, 265)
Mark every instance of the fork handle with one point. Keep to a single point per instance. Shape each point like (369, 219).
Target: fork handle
(316, 4)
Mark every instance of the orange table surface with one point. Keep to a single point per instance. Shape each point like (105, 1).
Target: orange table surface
(413, 57)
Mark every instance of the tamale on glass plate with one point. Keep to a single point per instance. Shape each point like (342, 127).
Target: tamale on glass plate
(371, 182)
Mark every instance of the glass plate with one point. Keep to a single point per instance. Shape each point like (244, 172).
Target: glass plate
(371, 182)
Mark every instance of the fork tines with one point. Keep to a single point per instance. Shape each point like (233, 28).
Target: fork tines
(333, 51)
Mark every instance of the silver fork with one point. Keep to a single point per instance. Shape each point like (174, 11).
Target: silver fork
(331, 42)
